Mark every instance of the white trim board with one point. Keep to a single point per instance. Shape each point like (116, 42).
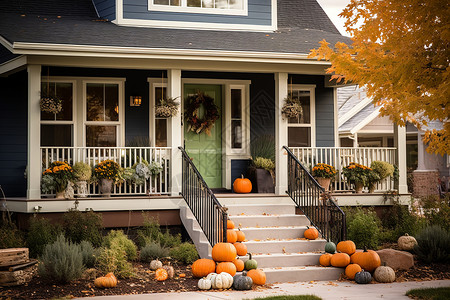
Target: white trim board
(357, 108)
(366, 121)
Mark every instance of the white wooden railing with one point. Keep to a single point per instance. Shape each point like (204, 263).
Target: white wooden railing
(125, 157)
(339, 157)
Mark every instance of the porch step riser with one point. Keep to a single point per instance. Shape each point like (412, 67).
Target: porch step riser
(305, 275)
(259, 221)
(289, 247)
(261, 209)
(311, 259)
(255, 200)
(273, 233)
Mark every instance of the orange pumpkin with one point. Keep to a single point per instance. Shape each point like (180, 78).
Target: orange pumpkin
(224, 252)
(242, 185)
(351, 270)
(258, 276)
(202, 267)
(227, 267)
(240, 235)
(346, 247)
(239, 263)
(107, 281)
(182, 275)
(340, 260)
(161, 274)
(230, 224)
(241, 249)
(311, 233)
(369, 260)
(325, 259)
(231, 236)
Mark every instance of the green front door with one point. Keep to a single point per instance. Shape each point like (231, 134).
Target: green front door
(204, 149)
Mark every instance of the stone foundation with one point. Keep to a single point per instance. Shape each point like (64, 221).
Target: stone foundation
(425, 183)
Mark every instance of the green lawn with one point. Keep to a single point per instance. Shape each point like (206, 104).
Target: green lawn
(292, 297)
(430, 293)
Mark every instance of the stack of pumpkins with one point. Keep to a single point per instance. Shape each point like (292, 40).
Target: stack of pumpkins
(217, 273)
(359, 266)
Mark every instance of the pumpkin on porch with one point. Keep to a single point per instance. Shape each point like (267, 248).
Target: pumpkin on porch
(230, 224)
(231, 236)
(363, 277)
(241, 249)
(242, 185)
(242, 282)
(258, 276)
(369, 260)
(325, 259)
(250, 263)
(202, 267)
(239, 263)
(384, 274)
(223, 252)
(348, 247)
(340, 260)
(311, 233)
(240, 235)
(227, 267)
(351, 270)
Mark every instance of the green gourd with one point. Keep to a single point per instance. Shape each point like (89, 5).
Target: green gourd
(363, 277)
(330, 247)
(242, 282)
(250, 263)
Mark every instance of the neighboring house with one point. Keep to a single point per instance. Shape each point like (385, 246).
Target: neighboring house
(360, 125)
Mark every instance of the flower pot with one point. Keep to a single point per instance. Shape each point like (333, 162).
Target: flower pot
(82, 188)
(324, 182)
(359, 187)
(262, 181)
(106, 187)
(59, 195)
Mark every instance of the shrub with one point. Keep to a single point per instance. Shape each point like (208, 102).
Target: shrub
(82, 171)
(363, 227)
(263, 146)
(61, 261)
(384, 169)
(117, 239)
(433, 245)
(186, 253)
(152, 251)
(151, 232)
(87, 251)
(264, 163)
(41, 233)
(437, 211)
(83, 226)
(114, 260)
(11, 237)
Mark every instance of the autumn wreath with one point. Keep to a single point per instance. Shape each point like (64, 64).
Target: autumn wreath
(193, 104)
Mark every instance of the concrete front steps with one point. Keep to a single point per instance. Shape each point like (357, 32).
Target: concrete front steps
(274, 236)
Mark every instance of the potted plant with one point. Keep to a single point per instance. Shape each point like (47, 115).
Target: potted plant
(324, 173)
(383, 170)
(166, 108)
(357, 175)
(107, 172)
(82, 173)
(261, 174)
(56, 177)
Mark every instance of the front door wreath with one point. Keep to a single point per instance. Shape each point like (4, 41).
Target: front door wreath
(191, 113)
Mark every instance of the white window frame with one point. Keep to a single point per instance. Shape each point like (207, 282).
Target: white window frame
(156, 83)
(199, 10)
(120, 128)
(74, 110)
(312, 105)
(245, 119)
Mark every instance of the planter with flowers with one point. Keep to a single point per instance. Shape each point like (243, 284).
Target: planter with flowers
(357, 175)
(82, 173)
(107, 172)
(56, 177)
(324, 173)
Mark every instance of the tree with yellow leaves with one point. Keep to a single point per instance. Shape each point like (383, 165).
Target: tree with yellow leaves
(401, 52)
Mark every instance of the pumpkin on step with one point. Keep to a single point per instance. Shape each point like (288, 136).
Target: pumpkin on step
(227, 267)
(202, 267)
(325, 259)
(369, 260)
(231, 236)
(242, 185)
(242, 282)
(346, 247)
(239, 263)
(107, 281)
(311, 233)
(240, 235)
(241, 249)
(340, 260)
(363, 277)
(250, 263)
(330, 247)
(258, 276)
(384, 274)
(351, 270)
(230, 224)
(223, 252)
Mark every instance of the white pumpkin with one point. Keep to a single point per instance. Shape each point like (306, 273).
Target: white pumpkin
(230, 279)
(155, 265)
(406, 242)
(220, 281)
(210, 275)
(204, 283)
(384, 274)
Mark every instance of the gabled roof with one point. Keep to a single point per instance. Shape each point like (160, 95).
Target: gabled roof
(302, 24)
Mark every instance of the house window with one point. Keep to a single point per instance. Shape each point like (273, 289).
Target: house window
(238, 7)
(103, 110)
(300, 130)
(57, 129)
(160, 123)
(236, 118)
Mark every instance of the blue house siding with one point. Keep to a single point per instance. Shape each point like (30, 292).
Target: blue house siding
(259, 13)
(106, 9)
(13, 134)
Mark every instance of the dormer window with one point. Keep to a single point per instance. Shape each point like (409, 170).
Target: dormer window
(228, 7)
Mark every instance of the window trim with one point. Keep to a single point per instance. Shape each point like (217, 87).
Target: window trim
(312, 106)
(120, 127)
(245, 119)
(183, 8)
(153, 84)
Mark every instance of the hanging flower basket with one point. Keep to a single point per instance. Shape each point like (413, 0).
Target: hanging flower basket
(167, 108)
(292, 108)
(191, 116)
(51, 105)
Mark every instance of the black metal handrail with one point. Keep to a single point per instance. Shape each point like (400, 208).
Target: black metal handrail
(210, 214)
(310, 197)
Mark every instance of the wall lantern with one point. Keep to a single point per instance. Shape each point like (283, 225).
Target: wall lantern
(135, 100)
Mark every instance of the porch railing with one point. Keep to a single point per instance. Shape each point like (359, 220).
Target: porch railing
(125, 157)
(210, 214)
(318, 207)
(339, 157)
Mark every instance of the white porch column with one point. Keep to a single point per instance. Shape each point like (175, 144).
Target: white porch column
(174, 131)
(34, 133)
(281, 136)
(400, 144)
(420, 152)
